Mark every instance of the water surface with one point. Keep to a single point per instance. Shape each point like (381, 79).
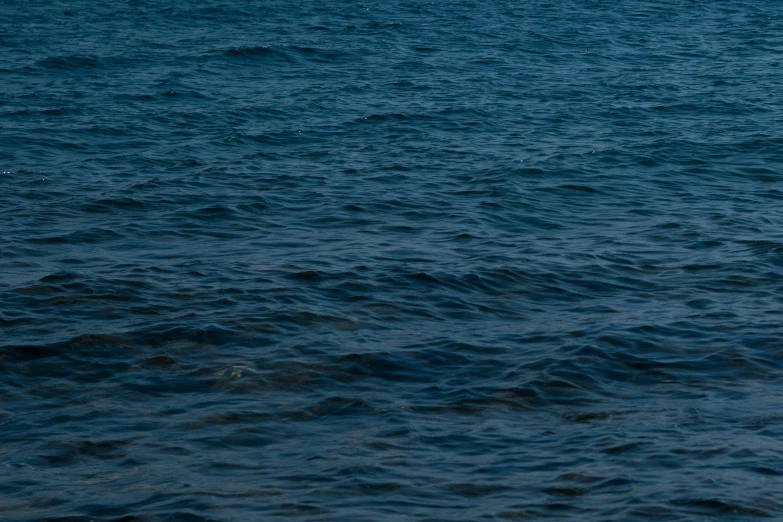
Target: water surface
(334, 260)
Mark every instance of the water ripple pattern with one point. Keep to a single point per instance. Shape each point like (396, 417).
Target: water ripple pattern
(406, 260)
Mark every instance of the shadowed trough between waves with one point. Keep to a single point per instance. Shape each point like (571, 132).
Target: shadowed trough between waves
(409, 260)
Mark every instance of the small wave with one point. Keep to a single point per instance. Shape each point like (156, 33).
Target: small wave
(70, 62)
(260, 51)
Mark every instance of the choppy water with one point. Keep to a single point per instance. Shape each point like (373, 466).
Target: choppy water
(334, 260)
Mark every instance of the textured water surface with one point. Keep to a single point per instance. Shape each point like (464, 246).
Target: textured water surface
(334, 260)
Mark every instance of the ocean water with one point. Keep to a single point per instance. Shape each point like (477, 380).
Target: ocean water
(406, 260)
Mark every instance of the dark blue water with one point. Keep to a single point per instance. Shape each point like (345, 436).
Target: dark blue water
(334, 260)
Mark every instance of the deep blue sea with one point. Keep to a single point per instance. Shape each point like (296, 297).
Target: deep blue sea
(387, 261)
